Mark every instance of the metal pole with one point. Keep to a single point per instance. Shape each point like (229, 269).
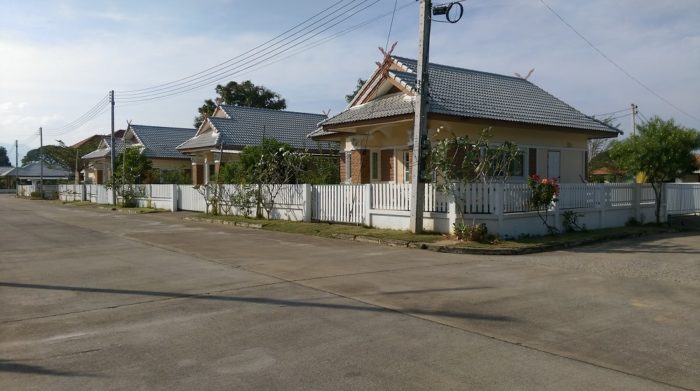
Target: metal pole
(111, 152)
(16, 166)
(634, 118)
(41, 161)
(420, 122)
(77, 174)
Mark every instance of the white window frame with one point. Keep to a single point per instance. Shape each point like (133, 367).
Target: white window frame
(406, 159)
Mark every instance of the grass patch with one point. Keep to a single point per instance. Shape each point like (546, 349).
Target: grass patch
(570, 239)
(331, 229)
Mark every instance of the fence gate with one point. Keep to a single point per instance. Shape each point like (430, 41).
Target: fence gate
(338, 203)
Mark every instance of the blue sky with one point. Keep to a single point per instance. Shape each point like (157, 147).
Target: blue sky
(61, 57)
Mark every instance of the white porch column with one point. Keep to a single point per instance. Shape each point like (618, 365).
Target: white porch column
(206, 170)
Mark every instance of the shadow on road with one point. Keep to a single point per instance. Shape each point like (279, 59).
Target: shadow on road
(266, 300)
(15, 367)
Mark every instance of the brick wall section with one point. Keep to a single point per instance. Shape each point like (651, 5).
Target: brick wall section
(360, 166)
(387, 165)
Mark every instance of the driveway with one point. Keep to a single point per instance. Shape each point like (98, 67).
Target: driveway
(93, 299)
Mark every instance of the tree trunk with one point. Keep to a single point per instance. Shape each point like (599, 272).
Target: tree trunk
(657, 194)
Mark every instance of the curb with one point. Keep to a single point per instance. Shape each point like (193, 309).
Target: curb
(225, 222)
(440, 248)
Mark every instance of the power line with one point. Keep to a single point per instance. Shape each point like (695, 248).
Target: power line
(246, 65)
(266, 53)
(304, 48)
(618, 66)
(235, 57)
(610, 113)
(391, 25)
(80, 121)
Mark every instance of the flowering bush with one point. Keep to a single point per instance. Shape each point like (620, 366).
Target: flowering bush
(544, 191)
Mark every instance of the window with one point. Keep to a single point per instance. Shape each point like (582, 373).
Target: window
(407, 166)
(517, 166)
(374, 164)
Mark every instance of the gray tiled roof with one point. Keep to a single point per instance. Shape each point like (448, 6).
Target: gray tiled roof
(105, 152)
(160, 141)
(33, 169)
(248, 126)
(5, 169)
(475, 94)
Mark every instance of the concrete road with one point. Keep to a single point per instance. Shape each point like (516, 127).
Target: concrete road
(93, 299)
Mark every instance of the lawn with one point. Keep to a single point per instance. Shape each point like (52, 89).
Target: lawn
(347, 231)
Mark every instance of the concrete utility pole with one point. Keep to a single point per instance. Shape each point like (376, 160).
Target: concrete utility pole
(111, 152)
(41, 161)
(634, 118)
(420, 122)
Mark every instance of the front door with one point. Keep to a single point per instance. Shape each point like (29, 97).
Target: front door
(554, 164)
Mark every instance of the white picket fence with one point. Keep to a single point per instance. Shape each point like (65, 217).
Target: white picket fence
(505, 208)
(682, 198)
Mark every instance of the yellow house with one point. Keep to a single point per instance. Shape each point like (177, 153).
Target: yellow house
(156, 142)
(222, 137)
(375, 131)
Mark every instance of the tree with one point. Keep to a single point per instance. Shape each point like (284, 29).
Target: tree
(460, 161)
(4, 160)
(131, 166)
(61, 155)
(360, 83)
(598, 148)
(662, 150)
(241, 94)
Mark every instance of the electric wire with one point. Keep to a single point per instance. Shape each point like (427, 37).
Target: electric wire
(247, 65)
(305, 48)
(391, 25)
(618, 66)
(237, 56)
(611, 113)
(210, 77)
(80, 120)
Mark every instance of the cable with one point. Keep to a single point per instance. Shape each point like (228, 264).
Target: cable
(187, 88)
(101, 104)
(238, 56)
(616, 64)
(391, 25)
(328, 39)
(247, 65)
(610, 113)
(215, 75)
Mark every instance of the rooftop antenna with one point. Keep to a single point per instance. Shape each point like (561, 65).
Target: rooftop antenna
(527, 76)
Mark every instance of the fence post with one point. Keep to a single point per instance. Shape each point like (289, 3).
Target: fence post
(307, 201)
(451, 211)
(500, 207)
(663, 210)
(637, 200)
(603, 203)
(173, 204)
(367, 217)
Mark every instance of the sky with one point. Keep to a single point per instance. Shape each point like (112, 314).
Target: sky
(59, 58)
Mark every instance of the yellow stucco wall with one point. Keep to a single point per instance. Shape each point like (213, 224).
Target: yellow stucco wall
(571, 145)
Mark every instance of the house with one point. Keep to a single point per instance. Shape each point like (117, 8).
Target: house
(6, 182)
(32, 172)
(222, 137)
(155, 142)
(695, 176)
(375, 131)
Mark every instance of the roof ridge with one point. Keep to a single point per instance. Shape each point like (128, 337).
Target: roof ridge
(462, 69)
(162, 127)
(268, 109)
